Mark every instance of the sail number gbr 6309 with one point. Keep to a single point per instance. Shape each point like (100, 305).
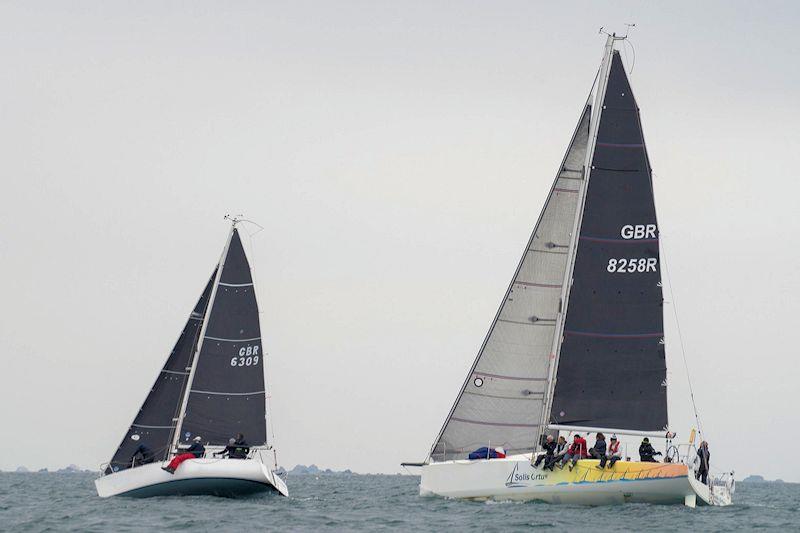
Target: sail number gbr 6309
(626, 265)
(248, 356)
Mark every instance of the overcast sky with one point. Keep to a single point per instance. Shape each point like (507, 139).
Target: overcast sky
(398, 155)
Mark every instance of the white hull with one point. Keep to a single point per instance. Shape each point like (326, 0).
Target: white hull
(514, 478)
(217, 477)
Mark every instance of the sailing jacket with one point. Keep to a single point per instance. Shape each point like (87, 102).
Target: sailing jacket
(197, 449)
(600, 447)
(549, 447)
(613, 449)
(578, 447)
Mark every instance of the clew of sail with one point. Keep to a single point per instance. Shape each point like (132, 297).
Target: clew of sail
(154, 423)
(227, 394)
(611, 365)
(501, 401)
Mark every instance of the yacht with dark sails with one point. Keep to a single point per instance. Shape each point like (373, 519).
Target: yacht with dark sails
(577, 345)
(211, 388)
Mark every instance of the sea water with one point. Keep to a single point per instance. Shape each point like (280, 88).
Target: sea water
(56, 502)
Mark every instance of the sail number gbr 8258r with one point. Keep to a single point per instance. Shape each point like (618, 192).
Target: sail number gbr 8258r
(248, 356)
(629, 265)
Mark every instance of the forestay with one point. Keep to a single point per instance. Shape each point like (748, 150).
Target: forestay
(227, 393)
(155, 421)
(501, 401)
(611, 369)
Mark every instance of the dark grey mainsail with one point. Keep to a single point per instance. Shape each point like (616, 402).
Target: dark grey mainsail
(501, 401)
(227, 393)
(155, 421)
(611, 368)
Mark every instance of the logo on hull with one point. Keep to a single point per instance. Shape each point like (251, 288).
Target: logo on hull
(516, 479)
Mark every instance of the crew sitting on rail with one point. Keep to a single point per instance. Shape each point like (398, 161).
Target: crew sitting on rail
(549, 447)
(195, 451)
(577, 450)
(598, 451)
(612, 453)
(488, 453)
(558, 454)
(646, 452)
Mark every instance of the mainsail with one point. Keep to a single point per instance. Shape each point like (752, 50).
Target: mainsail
(578, 341)
(611, 368)
(155, 421)
(227, 394)
(501, 401)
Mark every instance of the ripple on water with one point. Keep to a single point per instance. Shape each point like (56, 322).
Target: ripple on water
(50, 502)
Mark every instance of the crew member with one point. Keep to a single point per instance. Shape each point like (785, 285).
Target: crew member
(646, 452)
(195, 451)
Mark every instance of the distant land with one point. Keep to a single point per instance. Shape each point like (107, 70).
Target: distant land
(760, 479)
(71, 469)
(313, 470)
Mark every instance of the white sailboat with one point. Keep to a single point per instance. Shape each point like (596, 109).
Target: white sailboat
(577, 345)
(211, 388)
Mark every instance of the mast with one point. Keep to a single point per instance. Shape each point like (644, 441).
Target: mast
(558, 338)
(210, 306)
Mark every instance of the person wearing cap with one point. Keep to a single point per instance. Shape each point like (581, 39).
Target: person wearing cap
(646, 452)
(195, 451)
(612, 453)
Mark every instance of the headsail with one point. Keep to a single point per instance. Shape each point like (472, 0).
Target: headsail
(501, 401)
(155, 421)
(227, 393)
(611, 368)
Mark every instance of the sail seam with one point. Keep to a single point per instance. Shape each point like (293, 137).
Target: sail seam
(231, 340)
(236, 284)
(615, 335)
(528, 398)
(502, 424)
(228, 393)
(151, 427)
(174, 372)
(499, 376)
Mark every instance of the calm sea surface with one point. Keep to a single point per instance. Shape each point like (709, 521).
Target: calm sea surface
(55, 502)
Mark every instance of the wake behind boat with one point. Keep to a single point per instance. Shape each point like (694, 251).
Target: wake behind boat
(577, 346)
(189, 435)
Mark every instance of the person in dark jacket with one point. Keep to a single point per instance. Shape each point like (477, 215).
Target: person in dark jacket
(242, 448)
(646, 452)
(229, 450)
(703, 460)
(195, 451)
(237, 448)
(598, 451)
(558, 454)
(142, 456)
(549, 447)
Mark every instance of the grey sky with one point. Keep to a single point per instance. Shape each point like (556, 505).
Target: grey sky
(398, 154)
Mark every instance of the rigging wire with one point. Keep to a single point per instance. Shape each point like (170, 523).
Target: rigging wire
(268, 387)
(678, 328)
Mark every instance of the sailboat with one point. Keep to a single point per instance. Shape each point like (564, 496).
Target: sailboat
(210, 389)
(577, 346)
